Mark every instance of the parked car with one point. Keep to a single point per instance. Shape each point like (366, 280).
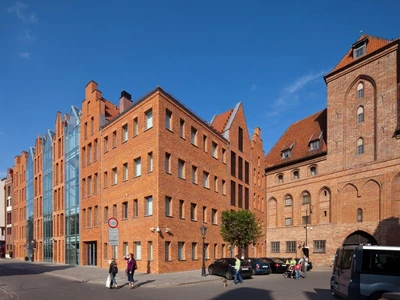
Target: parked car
(226, 267)
(277, 265)
(259, 265)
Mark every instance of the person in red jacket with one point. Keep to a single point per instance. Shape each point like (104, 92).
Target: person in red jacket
(130, 268)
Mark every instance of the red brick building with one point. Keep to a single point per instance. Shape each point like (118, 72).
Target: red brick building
(333, 178)
(8, 190)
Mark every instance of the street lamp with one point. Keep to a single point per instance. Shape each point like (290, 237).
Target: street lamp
(308, 213)
(203, 230)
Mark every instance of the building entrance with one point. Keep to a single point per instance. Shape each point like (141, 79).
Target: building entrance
(360, 237)
(91, 253)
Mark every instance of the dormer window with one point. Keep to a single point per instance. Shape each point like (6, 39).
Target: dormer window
(286, 153)
(314, 145)
(360, 48)
(359, 51)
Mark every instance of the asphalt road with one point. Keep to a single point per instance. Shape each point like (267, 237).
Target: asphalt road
(30, 283)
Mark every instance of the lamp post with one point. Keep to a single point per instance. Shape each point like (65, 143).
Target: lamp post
(203, 230)
(308, 213)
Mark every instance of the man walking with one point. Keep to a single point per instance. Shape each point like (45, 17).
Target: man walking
(237, 271)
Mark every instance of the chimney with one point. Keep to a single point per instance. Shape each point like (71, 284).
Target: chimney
(125, 101)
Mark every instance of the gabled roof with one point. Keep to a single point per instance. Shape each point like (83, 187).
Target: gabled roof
(297, 139)
(373, 44)
(219, 122)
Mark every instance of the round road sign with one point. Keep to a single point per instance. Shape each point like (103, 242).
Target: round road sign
(112, 222)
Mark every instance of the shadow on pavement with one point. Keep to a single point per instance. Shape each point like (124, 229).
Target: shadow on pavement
(319, 294)
(27, 268)
(244, 293)
(137, 285)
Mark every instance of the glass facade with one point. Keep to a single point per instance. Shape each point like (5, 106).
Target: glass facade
(48, 197)
(30, 243)
(72, 187)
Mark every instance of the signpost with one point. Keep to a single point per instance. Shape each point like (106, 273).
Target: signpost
(113, 235)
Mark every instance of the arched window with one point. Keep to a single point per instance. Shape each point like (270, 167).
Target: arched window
(360, 114)
(288, 200)
(305, 198)
(296, 174)
(313, 170)
(360, 91)
(360, 146)
(359, 215)
(280, 178)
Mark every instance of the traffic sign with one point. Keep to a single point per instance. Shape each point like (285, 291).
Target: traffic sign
(113, 222)
(113, 236)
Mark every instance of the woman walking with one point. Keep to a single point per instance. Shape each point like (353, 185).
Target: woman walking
(112, 271)
(130, 268)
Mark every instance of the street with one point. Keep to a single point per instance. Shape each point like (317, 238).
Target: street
(29, 282)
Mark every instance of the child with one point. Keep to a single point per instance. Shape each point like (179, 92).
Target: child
(297, 269)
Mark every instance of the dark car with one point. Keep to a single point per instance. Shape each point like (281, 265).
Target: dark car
(226, 267)
(277, 265)
(259, 265)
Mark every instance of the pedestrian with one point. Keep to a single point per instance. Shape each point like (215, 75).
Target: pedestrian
(112, 271)
(297, 269)
(237, 271)
(130, 268)
(304, 264)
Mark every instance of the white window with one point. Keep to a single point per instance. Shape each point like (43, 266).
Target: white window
(114, 140)
(214, 149)
(194, 174)
(167, 251)
(89, 186)
(126, 171)
(360, 114)
(288, 201)
(194, 250)
(286, 153)
(125, 133)
(135, 127)
(89, 217)
(193, 211)
(280, 178)
(359, 215)
(115, 251)
(214, 216)
(138, 167)
(150, 250)
(148, 206)
(89, 149)
(168, 120)
(138, 250)
(306, 198)
(313, 170)
(149, 119)
(206, 179)
(215, 184)
(288, 221)
(182, 128)
(181, 169)
(168, 203)
(224, 156)
(223, 182)
(296, 174)
(115, 176)
(126, 249)
(193, 136)
(359, 51)
(360, 146)
(314, 145)
(167, 162)
(125, 210)
(181, 251)
(106, 144)
(150, 162)
(360, 91)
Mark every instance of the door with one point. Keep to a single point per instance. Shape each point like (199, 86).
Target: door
(343, 272)
(91, 253)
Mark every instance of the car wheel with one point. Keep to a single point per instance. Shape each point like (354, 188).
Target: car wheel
(210, 272)
(228, 275)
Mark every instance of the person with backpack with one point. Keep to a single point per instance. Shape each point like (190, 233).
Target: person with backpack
(112, 271)
(130, 268)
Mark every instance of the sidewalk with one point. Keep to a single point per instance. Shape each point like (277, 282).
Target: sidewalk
(93, 274)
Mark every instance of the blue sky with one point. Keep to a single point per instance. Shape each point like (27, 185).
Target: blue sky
(269, 55)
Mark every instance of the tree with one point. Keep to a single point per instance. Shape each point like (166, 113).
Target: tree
(240, 228)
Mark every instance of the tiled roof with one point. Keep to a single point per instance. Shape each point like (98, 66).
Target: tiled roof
(298, 137)
(221, 120)
(373, 44)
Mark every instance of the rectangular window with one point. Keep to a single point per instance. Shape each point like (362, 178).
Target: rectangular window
(240, 168)
(206, 179)
(319, 246)
(288, 201)
(288, 221)
(125, 210)
(89, 217)
(96, 146)
(305, 220)
(105, 179)
(193, 136)
(181, 169)
(181, 251)
(223, 250)
(168, 163)
(96, 215)
(207, 251)
(168, 204)
(291, 247)
(83, 188)
(204, 214)
(150, 162)
(214, 149)
(105, 252)
(194, 174)
(205, 143)
(106, 144)
(91, 125)
(240, 196)
(124, 133)
(125, 248)
(275, 247)
(233, 193)
(115, 211)
(83, 157)
(105, 214)
(223, 183)
(90, 186)
(216, 184)
(84, 217)
(149, 206)
(149, 119)
(167, 251)
(114, 176)
(181, 209)
(115, 251)
(194, 251)
(114, 139)
(214, 219)
(182, 128)
(193, 213)
(85, 130)
(135, 127)
(135, 208)
(233, 164)
(223, 155)
(138, 250)
(126, 171)
(150, 250)
(314, 145)
(89, 153)
(240, 139)
(138, 167)
(168, 119)
(247, 198)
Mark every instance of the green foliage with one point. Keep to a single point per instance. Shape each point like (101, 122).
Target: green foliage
(240, 228)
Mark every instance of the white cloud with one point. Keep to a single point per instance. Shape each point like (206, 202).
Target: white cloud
(19, 9)
(25, 55)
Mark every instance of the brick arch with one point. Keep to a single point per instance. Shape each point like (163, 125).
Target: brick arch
(359, 237)
(362, 78)
(324, 205)
(272, 212)
(396, 196)
(370, 200)
(348, 196)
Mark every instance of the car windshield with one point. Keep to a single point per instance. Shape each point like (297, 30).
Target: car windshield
(277, 261)
(262, 260)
